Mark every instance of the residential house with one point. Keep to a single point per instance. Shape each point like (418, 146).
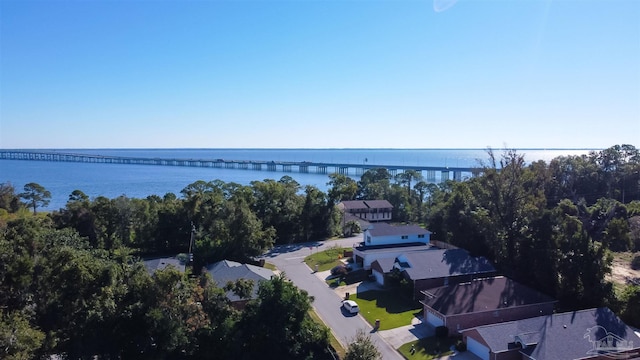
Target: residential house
(382, 240)
(585, 334)
(368, 210)
(365, 255)
(156, 264)
(483, 302)
(386, 234)
(226, 271)
(433, 268)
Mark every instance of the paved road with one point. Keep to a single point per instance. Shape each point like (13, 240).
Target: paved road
(289, 259)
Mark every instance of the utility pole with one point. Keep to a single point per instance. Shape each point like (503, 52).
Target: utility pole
(193, 235)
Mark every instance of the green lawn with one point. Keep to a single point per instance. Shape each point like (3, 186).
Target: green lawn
(325, 259)
(390, 308)
(270, 266)
(428, 348)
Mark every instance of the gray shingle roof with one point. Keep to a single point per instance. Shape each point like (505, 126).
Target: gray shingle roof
(153, 265)
(442, 263)
(482, 295)
(225, 271)
(386, 264)
(384, 229)
(568, 335)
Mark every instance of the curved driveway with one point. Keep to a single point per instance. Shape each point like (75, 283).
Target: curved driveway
(290, 260)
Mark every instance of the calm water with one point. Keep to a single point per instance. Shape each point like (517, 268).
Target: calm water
(140, 181)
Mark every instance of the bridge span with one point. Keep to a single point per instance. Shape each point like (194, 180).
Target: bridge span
(428, 172)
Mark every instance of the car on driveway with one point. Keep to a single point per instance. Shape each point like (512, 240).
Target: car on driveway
(351, 306)
(340, 270)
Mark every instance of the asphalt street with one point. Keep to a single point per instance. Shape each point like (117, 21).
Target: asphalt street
(290, 260)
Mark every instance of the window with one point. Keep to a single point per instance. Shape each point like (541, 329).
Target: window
(368, 239)
(421, 236)
(404, 237)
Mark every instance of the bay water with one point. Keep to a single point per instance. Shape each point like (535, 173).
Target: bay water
(140, 181)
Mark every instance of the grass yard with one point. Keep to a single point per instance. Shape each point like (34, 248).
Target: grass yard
(428, 348)
(391, 309)
(325, 260)
(270, 266)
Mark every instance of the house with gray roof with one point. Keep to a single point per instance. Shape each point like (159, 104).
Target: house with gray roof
(156, 264)
(433, 268)
(483, 302)
(226, 271)
(585, 334)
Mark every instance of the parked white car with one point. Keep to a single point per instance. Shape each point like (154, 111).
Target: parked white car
(351, 306)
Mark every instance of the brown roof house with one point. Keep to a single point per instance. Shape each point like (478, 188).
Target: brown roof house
(483, 302)
(368, 210)
(585, 334)
(433, 268)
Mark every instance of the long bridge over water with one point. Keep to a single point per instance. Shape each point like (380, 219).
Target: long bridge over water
(428, 172)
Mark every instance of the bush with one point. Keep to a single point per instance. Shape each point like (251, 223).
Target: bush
(393, 278)
(442, 331)
(461, 346)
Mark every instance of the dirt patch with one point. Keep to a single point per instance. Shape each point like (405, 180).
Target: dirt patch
(621, 271)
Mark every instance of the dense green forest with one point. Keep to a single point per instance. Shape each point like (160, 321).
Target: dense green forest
(73, 285)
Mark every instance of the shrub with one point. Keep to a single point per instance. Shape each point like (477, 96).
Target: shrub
(394, 277)
(442, 331)
(461, 346)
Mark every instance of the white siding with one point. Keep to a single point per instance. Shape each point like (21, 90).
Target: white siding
(394, 239)
(478, 349)
(379, 277)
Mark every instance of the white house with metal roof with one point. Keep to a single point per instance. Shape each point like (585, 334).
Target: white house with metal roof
(382, 240)
(386, 234)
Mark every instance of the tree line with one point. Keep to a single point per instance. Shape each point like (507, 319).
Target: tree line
(71, 274)
(62, 296)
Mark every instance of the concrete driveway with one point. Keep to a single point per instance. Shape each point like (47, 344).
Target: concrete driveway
(404, 334)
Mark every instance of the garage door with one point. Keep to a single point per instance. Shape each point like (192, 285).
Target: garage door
(478, 349)
(432, 319)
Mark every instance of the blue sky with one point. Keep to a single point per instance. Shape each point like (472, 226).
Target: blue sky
(320, 74)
